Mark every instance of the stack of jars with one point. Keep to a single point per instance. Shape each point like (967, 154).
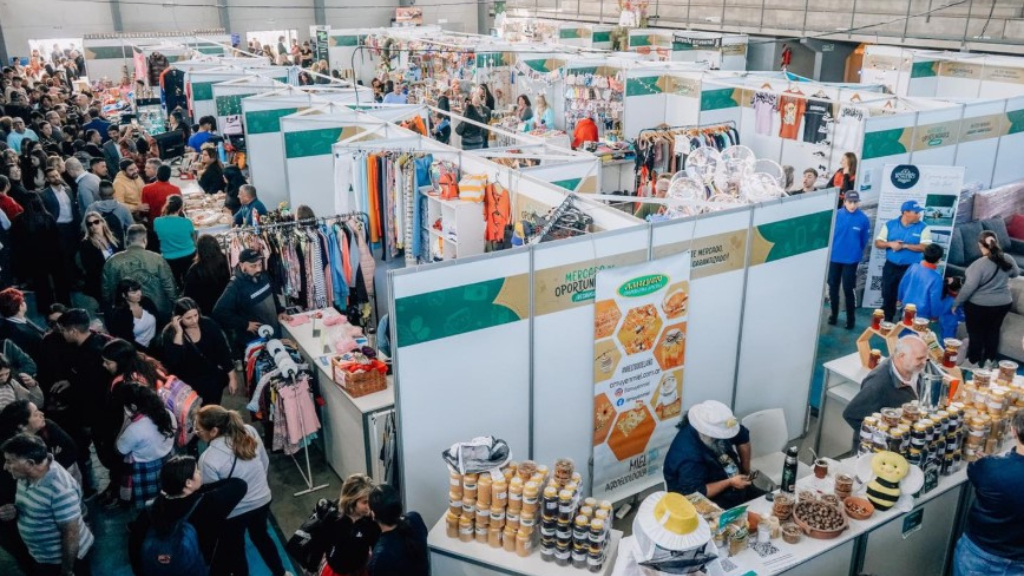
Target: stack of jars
(572, 531)
(504, 511)
(922, 438)
(989, 403)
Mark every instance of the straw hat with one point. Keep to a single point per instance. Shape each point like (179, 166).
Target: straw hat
(669, 521)
(714, 419)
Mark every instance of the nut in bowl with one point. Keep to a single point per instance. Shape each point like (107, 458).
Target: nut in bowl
(858, 508)
(819, 519)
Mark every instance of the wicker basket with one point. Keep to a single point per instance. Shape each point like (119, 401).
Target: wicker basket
(360, 383)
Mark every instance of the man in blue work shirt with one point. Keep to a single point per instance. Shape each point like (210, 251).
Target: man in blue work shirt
(922, 285)
(849, 238)
(903, 240)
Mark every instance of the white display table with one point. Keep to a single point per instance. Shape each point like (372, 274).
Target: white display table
(917, 549)
(453, 557)
(350, 445)
(834, 436)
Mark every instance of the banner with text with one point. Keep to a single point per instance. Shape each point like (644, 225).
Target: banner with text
(936, 189)
(640, 318)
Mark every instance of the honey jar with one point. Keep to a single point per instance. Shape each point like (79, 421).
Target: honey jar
(876, 318)
(452, 525)
(874, 358)
(494, 537)
(508, 539)
(466, 531)
(909, 312)
(485, 490)
(515, 495)
(499, 494)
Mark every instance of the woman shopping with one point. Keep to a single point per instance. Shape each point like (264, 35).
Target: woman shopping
(986, 299)
(209, 275)
(353, 534)
(146, 441)
(236, 451)
(97, 246)
(196, 350)
(133, 317)
(177, 237)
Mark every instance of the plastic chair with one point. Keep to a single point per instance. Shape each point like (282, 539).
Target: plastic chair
(768, 438)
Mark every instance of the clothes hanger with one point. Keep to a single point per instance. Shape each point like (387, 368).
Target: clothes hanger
(855, 98)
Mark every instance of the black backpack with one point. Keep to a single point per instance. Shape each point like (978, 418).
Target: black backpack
(308, 544)
(173, 553)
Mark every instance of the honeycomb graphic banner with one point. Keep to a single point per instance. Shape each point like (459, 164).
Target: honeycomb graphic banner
(640, 319)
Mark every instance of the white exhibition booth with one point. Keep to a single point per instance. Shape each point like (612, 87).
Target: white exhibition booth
(507, 319)
(110, 55)
(199, 83)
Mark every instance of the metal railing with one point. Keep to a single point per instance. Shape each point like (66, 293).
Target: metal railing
(991, 25)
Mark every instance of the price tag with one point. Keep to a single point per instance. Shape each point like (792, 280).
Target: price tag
(912, 522)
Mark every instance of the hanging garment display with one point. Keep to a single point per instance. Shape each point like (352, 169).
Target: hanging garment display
(817, 118)
(791, 109)
(848, 128)
(599, 97)
(765, 104)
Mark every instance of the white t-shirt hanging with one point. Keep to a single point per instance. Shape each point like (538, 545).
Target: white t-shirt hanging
(765, 104)
(343, 165)
(849, 128)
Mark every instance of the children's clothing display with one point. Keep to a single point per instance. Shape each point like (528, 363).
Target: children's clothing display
(595, 96)
(282, 398)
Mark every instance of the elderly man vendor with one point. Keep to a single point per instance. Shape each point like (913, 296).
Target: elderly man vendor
(711, 455)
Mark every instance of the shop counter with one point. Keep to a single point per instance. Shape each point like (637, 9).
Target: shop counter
(453, 557)
(890, 542)
(843, 377)
(350, 425)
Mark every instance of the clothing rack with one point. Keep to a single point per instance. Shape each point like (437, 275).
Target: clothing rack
(290, 372)
(664, 128)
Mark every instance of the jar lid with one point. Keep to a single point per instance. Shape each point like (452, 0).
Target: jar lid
(550, 492)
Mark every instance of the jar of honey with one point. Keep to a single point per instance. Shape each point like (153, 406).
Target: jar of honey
(1007, 370)
(950, 352)
(494, 536)
(515, 495)
(982, 378)
(526, 471)
(564, 467)
(920, 325)
(549, 510)
(451, 525)
(874, 358)
(909, 312)
(499, 494)
(497, 517)
(524, 545)
(531, 493)
(508, 539)
(483, 516)
(466, 529)
(565, 506)
(485, 490)
(876, 318)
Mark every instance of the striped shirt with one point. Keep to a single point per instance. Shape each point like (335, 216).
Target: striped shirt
(43, 507)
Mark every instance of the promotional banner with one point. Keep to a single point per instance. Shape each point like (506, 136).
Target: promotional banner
(640, 318)
(936, 189)
(320, 37)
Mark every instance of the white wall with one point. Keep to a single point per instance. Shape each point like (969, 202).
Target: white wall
(158, 17)
(285, 15)
(37, 19)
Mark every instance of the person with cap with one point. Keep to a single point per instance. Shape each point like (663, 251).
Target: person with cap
(903, 240)
(669, 537)
(248, 300)
(711, 455)
(850, 236)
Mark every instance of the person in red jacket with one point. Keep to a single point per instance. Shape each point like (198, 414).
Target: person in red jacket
(156, 194)
(586, 131)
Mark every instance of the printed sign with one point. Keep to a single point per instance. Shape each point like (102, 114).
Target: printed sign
(936, 189)
(640, 325)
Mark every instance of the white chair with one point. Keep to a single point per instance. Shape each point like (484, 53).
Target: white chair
(768, 438)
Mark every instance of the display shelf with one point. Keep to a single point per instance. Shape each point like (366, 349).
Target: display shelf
(891, 339)
(476, 555)
(466, 218)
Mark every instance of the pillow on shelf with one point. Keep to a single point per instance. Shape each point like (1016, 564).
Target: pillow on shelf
(1016, 227)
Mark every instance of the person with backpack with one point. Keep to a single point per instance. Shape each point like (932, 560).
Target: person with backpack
(125, 365)
(402, 547)
(236, 451)
(349, 536)
(177, 534)
(146, 441)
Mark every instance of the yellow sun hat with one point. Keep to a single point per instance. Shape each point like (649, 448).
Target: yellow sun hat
(668, 520)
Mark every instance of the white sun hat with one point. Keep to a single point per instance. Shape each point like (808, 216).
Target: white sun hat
(714, 419)
(669, 521)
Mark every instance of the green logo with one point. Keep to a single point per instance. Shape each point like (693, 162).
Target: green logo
(643, 285)
(935, 142)
(583, 296)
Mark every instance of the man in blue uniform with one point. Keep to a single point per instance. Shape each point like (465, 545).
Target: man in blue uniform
(922, 285)
(903, 240)
(849, 238)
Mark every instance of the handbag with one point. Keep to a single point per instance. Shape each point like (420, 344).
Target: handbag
(471, 187)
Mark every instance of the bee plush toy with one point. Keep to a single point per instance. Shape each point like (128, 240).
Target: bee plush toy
(890, 469)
